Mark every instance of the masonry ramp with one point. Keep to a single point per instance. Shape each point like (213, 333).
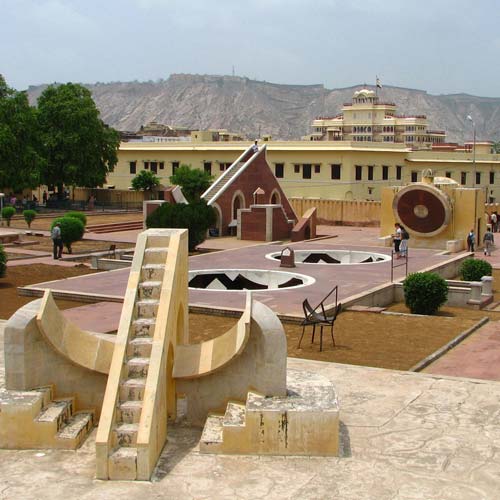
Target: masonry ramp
(140, 393)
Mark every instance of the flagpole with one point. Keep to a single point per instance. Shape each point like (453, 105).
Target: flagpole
(376, 85)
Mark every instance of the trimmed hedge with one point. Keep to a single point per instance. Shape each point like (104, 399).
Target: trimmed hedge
(197, 217)
(425, 292)
(29, 216)
(3, 262)
(72, 230)
(474, 269)
(8, 213)
(77, 215)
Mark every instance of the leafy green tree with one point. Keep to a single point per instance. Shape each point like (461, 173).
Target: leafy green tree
(29, 216)
(72, 230)
(80, 149)
(197, 217)
(8, 213)
(77, 215)
(3, 262)
(145, 180)
(20, 146)
(193, 181)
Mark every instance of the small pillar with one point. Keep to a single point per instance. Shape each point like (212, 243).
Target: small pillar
(475, 292)
(487, 288)
(287, 257)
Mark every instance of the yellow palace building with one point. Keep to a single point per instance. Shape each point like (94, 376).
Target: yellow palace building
(348, 157)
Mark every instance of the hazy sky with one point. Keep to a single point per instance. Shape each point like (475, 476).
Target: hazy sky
(442, 46)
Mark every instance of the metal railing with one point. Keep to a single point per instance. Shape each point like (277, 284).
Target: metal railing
(394, 265)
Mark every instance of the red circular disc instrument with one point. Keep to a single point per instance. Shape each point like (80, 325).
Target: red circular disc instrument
(422, 209)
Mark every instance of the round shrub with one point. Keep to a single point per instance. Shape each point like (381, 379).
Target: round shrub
(474, 269)
(425, 293)
(72, 230)
(3, 262)
(8, 213)
(29, 216)
(197, 217)
(77, 215)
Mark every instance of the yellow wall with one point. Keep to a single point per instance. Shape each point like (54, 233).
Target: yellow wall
(321, 153)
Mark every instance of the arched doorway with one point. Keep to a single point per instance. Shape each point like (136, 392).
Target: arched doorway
(275, 198)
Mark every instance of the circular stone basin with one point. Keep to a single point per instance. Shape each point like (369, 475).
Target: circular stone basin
(340, 257)
(246, 279)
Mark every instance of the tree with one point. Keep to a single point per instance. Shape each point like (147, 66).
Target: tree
(80, 149)
(29, 217)
(197, 217)
(145, 180)
(20, 146)
(3, 262)
(194, 182)
(8, 213)
(72, 230)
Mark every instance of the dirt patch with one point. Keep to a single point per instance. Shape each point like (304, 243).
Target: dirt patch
(28, 275)
(44, 222)
(44, 244)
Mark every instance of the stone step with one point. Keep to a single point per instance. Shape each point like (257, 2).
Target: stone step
(235, 415)
(77, 428)
(152, 272)
(47, 393)
(146, 308)
(125, 435)
(129, 412)
(122, 464)
(140, 347)
(211, 438)
(57, 411)
(138, 367)
(150, 289)
(144, 327)
(155, 255)
(132, 389)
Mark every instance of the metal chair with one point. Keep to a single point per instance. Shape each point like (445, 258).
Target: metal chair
(314, 317)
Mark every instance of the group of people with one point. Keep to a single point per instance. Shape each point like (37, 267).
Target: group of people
(488, 241)
(400, 239)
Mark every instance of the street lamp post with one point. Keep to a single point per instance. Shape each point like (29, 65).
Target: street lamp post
(469, 117)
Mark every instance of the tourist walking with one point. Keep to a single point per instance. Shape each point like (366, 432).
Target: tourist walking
(494, 222)
(396, 238)
(403, 247)
(57, 241)
(488, 241)
(471, 239)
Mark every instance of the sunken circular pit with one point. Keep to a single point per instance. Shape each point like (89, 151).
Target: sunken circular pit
(339, 257)
(246, 279)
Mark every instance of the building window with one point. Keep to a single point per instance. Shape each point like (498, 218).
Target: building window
(306, 171)
(385, 172)
(317, 169)
(414, 176)
(463, 178)
(154, 167)
(478, 178)
(359, 172)
(448, 175)
(161, 165)
(175, 166)
(207, 167)
(336, 171)
(146, 165)
(133, 167)
(279, 170)
(399, 171)
(296, 168)
(492, 177)
(370, 172)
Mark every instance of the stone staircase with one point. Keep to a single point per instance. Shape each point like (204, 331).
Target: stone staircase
(46, 422)
(122, 461)
(222, 181)
(305, 422)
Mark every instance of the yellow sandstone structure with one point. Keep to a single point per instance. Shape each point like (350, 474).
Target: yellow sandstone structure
(135, 382)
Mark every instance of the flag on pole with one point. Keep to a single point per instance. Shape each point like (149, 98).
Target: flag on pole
(378, 84)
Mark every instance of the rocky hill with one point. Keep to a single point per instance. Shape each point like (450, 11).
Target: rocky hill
(284, 111)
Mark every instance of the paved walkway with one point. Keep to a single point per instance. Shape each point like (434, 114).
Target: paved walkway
(403, 436)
